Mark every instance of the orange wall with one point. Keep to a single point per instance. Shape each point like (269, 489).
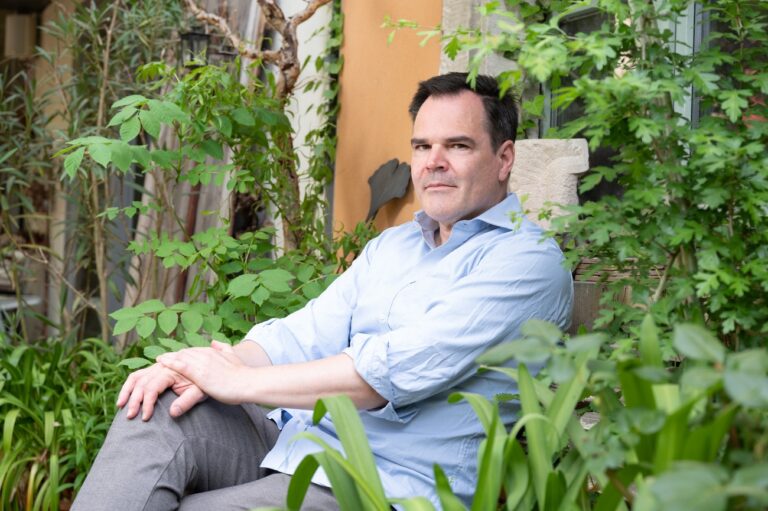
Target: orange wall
(377, 82)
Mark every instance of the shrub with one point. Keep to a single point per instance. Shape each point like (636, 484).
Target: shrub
(57, 401)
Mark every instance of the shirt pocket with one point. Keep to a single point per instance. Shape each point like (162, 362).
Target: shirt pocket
(412, 301)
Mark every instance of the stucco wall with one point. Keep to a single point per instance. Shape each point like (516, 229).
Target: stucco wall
(377, 82)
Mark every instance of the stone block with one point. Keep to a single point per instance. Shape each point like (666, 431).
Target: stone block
(546, 174)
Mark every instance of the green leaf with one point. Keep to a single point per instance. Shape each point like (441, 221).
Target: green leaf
(100, 153)
(141, 155)
(124, 325)
(691, 486)
(8, 427)
(145, 326)
(697, 343)
(490, 467)
(125, 313)
(539, 450)
(73, 161)
(224, 125)
(543, 330)
(448, 500)
(300, 481)
(151, 122)
(746, 378)
(195, 339)
(172, 344)
(733, 103)
(212, 322)
(568, 393)
(703, 442)
(212, 149)
(152, 352)
(135, 363)
(130, 129)
(242, 285)
(243, 116)
(165, 159)
(122, 116)
(530, 351)
(260, 295)
(276, 280)
(191, 320)
(150, 306)
(305, 272)
(555, 490)
(167, 111)
(516, 478)
(650, 352)
(752, 475)
(350, 430)
(122, 156)
(131, 100)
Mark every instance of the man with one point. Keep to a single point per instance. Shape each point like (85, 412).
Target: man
(398, 332)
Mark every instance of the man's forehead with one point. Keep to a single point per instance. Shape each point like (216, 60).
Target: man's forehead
(452, 116)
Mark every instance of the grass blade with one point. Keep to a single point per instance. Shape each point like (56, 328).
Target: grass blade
(350, 430)
(448, 500)
(539, 452)
(300, 481)
(516, 477)
(8, 426)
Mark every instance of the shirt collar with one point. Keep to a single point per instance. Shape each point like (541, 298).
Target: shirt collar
(498, 216)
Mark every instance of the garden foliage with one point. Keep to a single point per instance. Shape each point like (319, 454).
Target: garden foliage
(56, 403)
(687, 233)
(239, 281)
(681, 437)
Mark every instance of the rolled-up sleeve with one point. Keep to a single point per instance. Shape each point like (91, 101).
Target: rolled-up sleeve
(484, 307)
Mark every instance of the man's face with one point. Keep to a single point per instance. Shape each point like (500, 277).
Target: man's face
(456, 173)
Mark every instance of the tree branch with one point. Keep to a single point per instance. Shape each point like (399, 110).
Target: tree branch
(286, 58)
(314, 5)
(234, 39)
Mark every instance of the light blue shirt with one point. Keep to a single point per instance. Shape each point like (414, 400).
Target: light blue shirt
(414, 316)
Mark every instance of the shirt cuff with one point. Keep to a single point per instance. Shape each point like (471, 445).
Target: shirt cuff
(369, 354)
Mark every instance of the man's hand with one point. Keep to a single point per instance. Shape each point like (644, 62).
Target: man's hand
(217, 371)
(142, 388)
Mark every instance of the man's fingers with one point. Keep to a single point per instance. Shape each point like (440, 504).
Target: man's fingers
(148, 404)
(126, 389)
(144, 389)
(186, 400)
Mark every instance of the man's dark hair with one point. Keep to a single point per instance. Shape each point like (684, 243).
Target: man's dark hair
(500, 111)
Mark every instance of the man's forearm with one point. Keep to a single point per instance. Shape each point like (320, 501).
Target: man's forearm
(301, 385)
(252, 354)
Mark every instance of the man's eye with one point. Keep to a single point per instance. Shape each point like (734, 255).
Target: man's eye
(459, 146)
(421, 147)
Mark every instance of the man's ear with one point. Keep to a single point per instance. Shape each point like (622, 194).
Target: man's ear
(506, 155)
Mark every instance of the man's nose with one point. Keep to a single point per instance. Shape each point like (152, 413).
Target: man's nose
(436, 159)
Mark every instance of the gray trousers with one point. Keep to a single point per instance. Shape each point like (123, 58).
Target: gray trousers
(207, 459)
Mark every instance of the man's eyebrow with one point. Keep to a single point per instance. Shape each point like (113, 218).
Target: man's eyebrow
(458, 139)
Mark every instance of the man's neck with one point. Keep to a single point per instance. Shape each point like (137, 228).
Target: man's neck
(442, 234)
